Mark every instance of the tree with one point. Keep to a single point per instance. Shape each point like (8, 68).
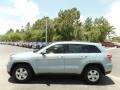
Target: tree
(28, 26)
(102, 25)
(78, 32)
(88, 26)
(27, 36)
(116, 39)
(67, 26)
(64, 24)
(10, 31)
(41, 26)
(17, 30)
(94, 35)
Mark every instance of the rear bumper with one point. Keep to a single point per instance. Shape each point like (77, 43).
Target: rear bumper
(108, 68)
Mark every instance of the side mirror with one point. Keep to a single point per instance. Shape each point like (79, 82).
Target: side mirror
(43, 52)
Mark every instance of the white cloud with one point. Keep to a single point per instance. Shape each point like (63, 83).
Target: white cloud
(7, 24)
(113, 16)
(21, 12)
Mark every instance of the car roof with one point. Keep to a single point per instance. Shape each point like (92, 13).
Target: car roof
(76, 42)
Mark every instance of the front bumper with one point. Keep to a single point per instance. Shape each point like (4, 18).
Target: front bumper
(108, 72)
(9, 66)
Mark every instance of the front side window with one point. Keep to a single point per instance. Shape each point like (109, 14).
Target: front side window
(59, 48)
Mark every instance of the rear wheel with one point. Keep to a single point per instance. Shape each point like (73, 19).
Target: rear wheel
(92, 75)
(22, 73)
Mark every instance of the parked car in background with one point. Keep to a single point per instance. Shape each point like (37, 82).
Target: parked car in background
(34, 44)
(38, 45)
(108, 44)
(117, 45)
(90, 60)
(30, 45)
(44, 44)
(20, 44)
(25, 44)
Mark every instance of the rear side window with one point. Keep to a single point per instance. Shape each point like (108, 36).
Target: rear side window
(90, 49)
(80, 48)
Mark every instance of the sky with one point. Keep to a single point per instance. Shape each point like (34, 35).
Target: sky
(16, 13)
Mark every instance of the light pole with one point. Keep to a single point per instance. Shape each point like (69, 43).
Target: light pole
(46, 31)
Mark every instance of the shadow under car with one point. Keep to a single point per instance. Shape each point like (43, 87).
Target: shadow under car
(63, 79)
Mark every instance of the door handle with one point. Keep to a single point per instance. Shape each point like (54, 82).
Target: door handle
(60, 57)
(82, 57)
(85, 56)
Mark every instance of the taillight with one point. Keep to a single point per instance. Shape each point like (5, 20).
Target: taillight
(109, 57)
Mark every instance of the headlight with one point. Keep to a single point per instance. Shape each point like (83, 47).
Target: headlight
(11, 56)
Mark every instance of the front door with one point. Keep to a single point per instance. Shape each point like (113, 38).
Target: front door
(52, 61)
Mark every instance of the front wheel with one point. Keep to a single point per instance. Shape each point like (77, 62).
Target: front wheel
(21, 73)
(92, 75)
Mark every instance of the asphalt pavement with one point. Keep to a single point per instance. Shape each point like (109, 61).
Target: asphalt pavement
(109, 82)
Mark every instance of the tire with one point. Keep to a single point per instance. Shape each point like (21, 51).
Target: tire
(22, 73)
(92, 75)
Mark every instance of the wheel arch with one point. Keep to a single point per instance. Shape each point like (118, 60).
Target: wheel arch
(94, 65)
(21, 63)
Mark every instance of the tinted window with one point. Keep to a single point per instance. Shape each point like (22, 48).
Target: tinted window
(80, 48)
(59, 48)
(75, 48)
(90, 49)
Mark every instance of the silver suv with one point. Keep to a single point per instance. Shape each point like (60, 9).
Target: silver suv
(90, 60)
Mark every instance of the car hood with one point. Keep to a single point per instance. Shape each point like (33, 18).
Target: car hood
(23, 56)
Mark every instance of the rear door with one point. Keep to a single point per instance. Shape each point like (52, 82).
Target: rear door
(78, 55)
(74, 58)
